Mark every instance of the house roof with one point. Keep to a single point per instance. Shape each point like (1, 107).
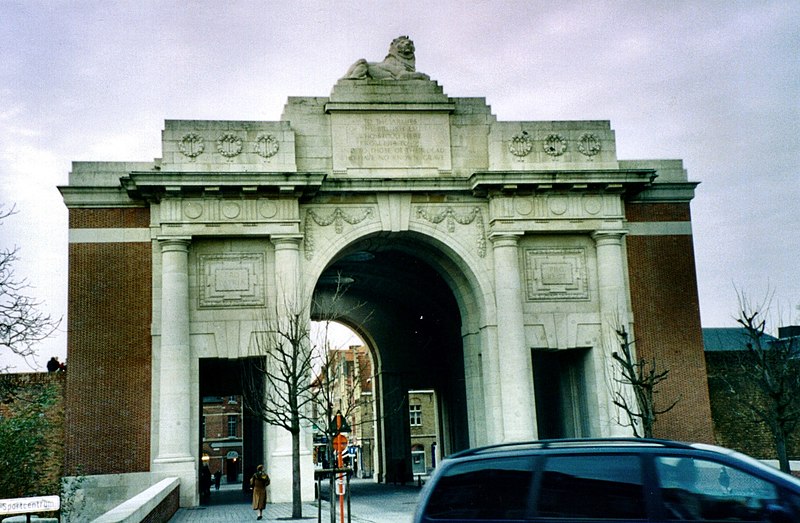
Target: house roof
(727, 339)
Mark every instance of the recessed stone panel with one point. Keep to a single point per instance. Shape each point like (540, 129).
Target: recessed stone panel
(231, 280)
(556, 274)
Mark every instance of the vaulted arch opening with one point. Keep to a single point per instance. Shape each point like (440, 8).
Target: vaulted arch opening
(406, 299)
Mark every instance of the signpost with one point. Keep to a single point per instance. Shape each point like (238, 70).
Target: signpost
(339, 445)
(30, 505)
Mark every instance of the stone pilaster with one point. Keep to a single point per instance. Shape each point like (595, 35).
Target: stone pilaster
(516, 385)
(611, 276)
(174, 457)
(614, 313)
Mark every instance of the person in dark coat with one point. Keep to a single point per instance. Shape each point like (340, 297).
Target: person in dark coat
(205, 482)
(53, 365)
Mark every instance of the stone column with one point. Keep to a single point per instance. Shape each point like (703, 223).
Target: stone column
(289, 302)
(175, 428)
(516, 374)
(614, 312)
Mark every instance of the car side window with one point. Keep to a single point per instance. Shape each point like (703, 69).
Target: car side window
(697, 490)
(492, 489)
(592, 487)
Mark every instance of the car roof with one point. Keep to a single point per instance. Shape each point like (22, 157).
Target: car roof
(576, 443)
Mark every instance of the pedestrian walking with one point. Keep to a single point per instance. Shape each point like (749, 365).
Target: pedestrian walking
(259, 483)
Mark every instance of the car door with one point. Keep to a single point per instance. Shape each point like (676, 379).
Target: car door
(486, 490)
(591, 487)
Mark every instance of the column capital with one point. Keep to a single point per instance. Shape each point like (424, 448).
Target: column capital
(607, 237)
(174, 243)
(505, 239)
(286, 241)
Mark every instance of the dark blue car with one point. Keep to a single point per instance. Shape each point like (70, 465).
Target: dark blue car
(619, 480)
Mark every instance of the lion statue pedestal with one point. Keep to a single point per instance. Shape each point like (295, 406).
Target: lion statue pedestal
(399, 64)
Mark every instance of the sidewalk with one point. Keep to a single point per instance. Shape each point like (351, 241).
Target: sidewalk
(369, 502)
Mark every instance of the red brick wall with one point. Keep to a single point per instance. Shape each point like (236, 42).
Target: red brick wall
(666, 316)
(108, 348)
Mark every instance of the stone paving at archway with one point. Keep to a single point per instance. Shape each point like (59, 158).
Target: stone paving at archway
(370, 503)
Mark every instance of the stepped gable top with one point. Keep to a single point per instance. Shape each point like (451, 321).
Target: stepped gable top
(385, 126)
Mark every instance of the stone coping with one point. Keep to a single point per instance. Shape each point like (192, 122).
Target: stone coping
(142, 504)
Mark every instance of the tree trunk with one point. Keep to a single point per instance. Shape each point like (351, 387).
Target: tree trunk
(780, 448)
(297, 500)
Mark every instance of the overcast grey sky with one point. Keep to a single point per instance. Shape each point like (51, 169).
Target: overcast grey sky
(715, 83)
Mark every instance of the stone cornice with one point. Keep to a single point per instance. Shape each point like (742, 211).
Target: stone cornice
(616, 180)
(154, 185)
(96, 197)
(672, 192)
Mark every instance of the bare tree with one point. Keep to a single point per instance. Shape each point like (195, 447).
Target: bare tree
(642, 378)
(22, 325)
(278, 385)
(767, 381)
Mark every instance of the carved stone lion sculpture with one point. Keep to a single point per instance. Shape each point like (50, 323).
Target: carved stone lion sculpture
(399, 64)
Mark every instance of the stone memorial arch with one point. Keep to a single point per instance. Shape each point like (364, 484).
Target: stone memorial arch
(495, 257)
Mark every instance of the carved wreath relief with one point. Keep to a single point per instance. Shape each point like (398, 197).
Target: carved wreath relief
(556, 274)
(191, 145)
(229, 145)
(521, 144)
(588, 144)
(266, 145)
(553, 145)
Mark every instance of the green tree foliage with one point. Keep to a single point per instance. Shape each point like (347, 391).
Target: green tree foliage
(27, 460)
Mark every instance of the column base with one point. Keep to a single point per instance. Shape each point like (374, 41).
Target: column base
(185, 469)
(279, 469)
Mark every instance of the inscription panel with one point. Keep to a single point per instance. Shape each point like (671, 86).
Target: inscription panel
(391, 141)
(556, 274)
(231, 280)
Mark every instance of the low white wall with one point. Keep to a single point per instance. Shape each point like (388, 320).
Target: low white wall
(139, 506)
(101, 493)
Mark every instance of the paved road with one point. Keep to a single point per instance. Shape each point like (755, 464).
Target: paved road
(370, 503)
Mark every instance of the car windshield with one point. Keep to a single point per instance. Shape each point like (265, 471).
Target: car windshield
(749, 460)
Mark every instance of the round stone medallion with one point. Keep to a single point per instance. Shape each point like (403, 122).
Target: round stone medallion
(231, 210)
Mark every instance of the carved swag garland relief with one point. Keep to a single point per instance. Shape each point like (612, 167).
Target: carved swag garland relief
(338, 217)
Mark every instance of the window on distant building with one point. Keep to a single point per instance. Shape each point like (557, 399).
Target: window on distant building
(232, 422)
(415, 415)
